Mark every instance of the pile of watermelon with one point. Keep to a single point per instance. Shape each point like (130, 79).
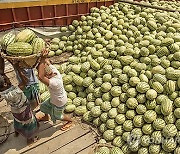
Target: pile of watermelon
(124, 76)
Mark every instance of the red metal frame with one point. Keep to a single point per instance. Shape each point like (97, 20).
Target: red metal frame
(52, 15)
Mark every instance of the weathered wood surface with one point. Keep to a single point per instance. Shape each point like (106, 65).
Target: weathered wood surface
(53, 140)
(85, 139)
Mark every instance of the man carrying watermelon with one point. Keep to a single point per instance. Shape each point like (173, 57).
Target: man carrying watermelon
(50, 76)
(31, 89)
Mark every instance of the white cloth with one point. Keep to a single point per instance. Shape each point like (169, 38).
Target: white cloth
(58, 94)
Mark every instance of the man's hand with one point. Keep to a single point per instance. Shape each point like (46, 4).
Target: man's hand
(47, 61)
(47, 40)
(45, 53)
(16, 64)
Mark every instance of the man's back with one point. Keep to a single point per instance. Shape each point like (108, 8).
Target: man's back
(30, 74)
(56, 88)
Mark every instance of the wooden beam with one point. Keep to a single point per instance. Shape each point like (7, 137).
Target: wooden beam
(77, 145)
(5, 5)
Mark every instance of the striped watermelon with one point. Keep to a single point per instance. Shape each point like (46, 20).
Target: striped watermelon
(26, 35)
(7, 39)
(19, 49)
(166, 106)
(44, 96)
(38, 45)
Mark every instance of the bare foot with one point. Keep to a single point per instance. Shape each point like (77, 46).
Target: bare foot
(66, 126)
(16, 134)
(42, 117)
(32, 140)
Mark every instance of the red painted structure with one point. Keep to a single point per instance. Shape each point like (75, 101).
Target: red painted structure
(50, 15)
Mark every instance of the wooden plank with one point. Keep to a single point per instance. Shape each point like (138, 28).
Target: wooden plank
(2, 104)
(87, 150)
(48, 144)
(43, 126)
(4, 107)
(5, 111)
(77, 145)
(14, 142)
(8, 67)
(12, 76)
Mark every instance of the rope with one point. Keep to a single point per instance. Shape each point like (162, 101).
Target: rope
(93, 130)
(78, 120)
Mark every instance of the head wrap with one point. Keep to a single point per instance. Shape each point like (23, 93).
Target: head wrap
(48, 70)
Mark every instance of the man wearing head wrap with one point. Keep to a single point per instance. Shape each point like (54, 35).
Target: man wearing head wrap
(25, 123)
(31, 89)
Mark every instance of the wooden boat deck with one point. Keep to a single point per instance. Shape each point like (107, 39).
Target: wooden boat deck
(52, 140)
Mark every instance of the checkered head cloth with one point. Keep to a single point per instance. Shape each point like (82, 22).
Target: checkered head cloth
(48, 70)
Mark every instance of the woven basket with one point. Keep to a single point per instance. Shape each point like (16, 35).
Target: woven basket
(30, 61)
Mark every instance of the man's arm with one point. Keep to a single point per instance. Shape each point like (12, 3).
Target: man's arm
(2, 64)
(41, 70)
(47, 61)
